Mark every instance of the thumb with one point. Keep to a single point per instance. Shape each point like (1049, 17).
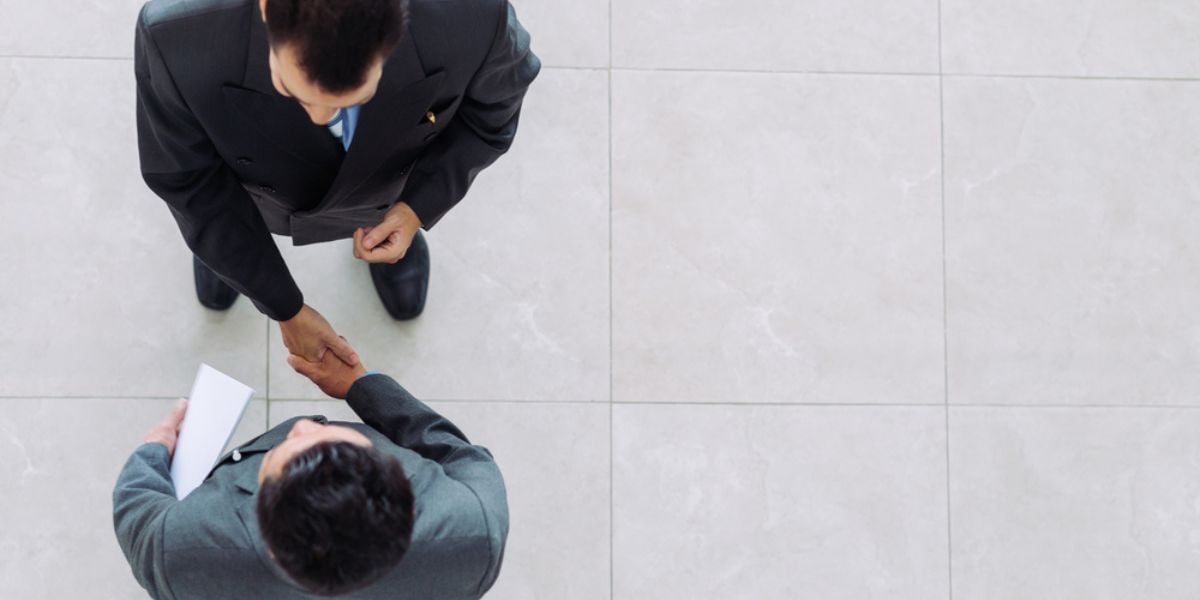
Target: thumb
(376, 235)
(344, 350)
(301, 366)
(178, 412)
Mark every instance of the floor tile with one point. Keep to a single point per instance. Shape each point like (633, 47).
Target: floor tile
(779, 502)
(1119, 38)
(96, 29)
(554, 457)
(800, 35)
(1075, 503)
(59, 460)
(775, 254)
(1071, 216)
(518, 297)
(98, 298)
(567, 34)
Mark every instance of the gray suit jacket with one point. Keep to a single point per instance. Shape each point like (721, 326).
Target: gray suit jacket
(208, 545)
(235, 161)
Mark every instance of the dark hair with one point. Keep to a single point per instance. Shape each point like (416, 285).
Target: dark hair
(336, 40)
(338, 518)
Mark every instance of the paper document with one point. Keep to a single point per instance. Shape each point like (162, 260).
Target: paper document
(213, 411)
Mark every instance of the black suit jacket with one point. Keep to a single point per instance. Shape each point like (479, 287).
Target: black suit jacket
(235, 160)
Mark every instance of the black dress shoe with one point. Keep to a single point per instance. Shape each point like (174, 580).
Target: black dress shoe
(211, 290)
(402, 286)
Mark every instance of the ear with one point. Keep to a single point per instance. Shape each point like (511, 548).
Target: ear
(262, 9)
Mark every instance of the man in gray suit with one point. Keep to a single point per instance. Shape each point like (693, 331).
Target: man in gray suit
(402, 506)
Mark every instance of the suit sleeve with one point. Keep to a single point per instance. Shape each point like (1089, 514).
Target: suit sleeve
(217, 218)
(483, 128)
(388, 408)
(143, 497)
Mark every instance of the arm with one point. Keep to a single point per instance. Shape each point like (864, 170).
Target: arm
(142, 499)
(388, 408)
(482, 130)
(216, 216)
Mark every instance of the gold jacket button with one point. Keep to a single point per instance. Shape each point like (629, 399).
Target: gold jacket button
(432, 118)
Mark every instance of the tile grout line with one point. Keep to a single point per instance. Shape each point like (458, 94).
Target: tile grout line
(612, 591)
(945, 310)
(267, 393)
(1129, 78)
(681, 404)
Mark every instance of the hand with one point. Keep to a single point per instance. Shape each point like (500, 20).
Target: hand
(333, 376)
(388, 241)
(309, 335)
(167, 431)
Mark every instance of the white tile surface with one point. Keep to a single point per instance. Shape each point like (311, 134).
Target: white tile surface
(1072, 213)
(97, 29)
(1122, 38)
(554, 457)
(59, 460)
(776, 238)
(1075, 503)
(900, 36)
(518, 296)
(566, 34)
(779, 502)
(97, 296)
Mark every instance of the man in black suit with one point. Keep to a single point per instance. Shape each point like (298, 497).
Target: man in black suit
(322, 120)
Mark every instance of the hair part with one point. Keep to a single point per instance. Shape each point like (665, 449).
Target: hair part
(338, 518)
(337, 41)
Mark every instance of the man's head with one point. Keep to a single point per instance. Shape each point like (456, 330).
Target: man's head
(335, 512)
(329, 54)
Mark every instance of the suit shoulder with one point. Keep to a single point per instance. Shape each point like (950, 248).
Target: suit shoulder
(455, 17)
(157, 13)
(450, 33)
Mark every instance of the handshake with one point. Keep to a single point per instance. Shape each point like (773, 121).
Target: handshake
(319, 353)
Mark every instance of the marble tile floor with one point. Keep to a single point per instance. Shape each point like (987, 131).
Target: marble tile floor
(801, 300)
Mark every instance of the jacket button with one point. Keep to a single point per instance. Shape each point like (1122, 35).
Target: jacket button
(237, 455)
(266, 188)
(242, 160)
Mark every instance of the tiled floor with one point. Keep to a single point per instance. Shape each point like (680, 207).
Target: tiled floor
(771, 300)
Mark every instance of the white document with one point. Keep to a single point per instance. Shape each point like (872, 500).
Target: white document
(213, 411)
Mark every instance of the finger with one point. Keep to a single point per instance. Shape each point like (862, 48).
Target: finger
(180, 409)
(358, 238)
(344, 351)
(377, 235)
(301, 366)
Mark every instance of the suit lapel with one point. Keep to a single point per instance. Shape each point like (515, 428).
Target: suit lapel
(247, 480)
(404, 95)
(276, 117)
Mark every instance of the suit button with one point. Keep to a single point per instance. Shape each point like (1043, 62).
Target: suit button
(403, 172)
(242, 160)
(266, 188)
(237, 455)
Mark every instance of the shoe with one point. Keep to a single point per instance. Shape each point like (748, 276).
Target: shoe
(402, 286)
(211, 290)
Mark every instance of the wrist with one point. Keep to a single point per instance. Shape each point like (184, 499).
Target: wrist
(406, 215)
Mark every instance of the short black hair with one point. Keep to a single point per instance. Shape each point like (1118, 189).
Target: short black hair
(338, 518)
(337, 40)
